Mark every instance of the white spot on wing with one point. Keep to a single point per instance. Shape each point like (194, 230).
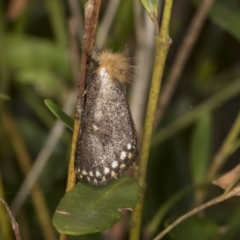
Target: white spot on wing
(123, 155)
(114, 164)
(98, 174)
(129, 146)
(106, 170)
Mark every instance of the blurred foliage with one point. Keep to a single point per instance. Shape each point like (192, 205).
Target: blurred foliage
(35, 64)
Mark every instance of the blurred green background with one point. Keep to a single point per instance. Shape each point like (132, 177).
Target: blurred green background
(40, 46)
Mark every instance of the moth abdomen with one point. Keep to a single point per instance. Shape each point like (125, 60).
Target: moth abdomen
(107, 142)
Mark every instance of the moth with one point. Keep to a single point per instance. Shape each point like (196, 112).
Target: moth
(107, 141)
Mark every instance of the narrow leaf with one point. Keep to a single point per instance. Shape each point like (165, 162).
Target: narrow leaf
(226, 15)
(24, 52)
(57, 111)
(155, 6)
(200, 148)
(146, 5)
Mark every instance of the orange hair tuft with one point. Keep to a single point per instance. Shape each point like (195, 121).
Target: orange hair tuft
(117, 65)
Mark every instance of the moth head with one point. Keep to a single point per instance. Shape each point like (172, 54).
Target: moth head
(117, 65)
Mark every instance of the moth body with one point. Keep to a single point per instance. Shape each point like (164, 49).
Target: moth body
(107, 142)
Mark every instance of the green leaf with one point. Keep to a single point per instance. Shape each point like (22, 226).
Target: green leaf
(195, 228)
(146, 5)
(155, 6)
(27, 52)
(89, 209)
(44, 82)
(57, 111)
(226, 15)
(200, 148)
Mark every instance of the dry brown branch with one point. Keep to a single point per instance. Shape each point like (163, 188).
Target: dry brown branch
(13, 221)
(92, 8)
(91, 17)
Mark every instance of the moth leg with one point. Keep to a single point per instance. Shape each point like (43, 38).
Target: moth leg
(85, 92)
(96, 49)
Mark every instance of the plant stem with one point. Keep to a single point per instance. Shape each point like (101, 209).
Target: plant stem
(214, 201)
(162, 43)
(12, 219)
(182, 56)
(92, 8)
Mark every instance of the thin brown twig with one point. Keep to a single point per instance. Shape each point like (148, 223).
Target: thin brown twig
(182, 57)
(92, 8)
(13, 221)
(214, 201)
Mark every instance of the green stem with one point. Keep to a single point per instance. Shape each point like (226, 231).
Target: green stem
(162, 43)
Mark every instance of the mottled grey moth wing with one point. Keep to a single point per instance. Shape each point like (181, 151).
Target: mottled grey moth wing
(107, 143)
